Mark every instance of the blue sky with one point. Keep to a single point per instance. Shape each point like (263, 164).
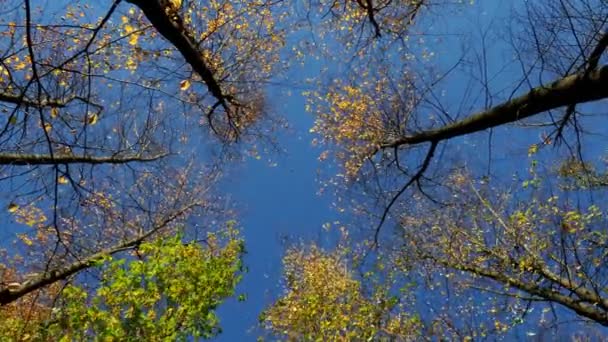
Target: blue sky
(279, 205)
(282, 202)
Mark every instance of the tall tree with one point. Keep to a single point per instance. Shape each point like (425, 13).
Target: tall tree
(324, 300)
(95, 156)
(416, 126)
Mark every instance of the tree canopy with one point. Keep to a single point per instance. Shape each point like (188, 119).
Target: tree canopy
(461, 144)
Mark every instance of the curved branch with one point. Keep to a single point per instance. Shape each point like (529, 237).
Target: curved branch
(415, 178)
(581, 307)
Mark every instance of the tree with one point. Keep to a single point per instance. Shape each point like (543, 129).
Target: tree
(543, 248)
(108, 107)
(169, 292)
(323, 300)
(95, 160)
(412, 153)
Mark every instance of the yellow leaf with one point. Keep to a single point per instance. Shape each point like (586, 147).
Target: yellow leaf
(20, 66)
(62, 180)
(133, 39)
(184, 85)
(12, 207)
(54, 112)
(26, 240)
(532, 149)
(92, 119)
(47, 127)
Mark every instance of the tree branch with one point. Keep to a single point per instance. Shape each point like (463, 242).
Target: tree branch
(24, 101)
(45, 159)
(415, 178)
(8, 295)
(581, 307)
(172, 29)
(577, 88)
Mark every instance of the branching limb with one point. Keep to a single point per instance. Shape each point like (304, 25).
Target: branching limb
(10, 294)
(592, 63)
(46, 159)
(577, 88)
(177, 35)
(415, 178)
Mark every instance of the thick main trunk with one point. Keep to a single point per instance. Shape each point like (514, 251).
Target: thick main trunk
(180, 38)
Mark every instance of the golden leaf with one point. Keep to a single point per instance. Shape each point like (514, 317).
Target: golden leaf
(184, 85)
(12, 207)
(54, 112)
(62, 180)
(92, 119)
(133, 39)
(25, 239)
(532, 149)
(20, 66)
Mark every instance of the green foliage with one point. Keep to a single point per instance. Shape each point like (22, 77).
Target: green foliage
(169, 292)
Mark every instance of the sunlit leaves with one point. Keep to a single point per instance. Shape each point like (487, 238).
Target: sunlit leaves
(29, 215)
(352, 123)
(170, 291)
(323, 301)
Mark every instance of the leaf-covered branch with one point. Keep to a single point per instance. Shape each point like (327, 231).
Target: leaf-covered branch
(580, 305)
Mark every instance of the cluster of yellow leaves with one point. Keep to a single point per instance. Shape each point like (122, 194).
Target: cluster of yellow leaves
(129, 31)
(29, 215)
(14, 64)
(100, 200)
(348, 14)
(34, 217)
(324, 302)
(352, 121)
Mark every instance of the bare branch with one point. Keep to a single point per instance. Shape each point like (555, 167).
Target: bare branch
(171, 27)
(9, 295)
(577, 88)
(46, 159)
(415, 178)
(24, 101)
